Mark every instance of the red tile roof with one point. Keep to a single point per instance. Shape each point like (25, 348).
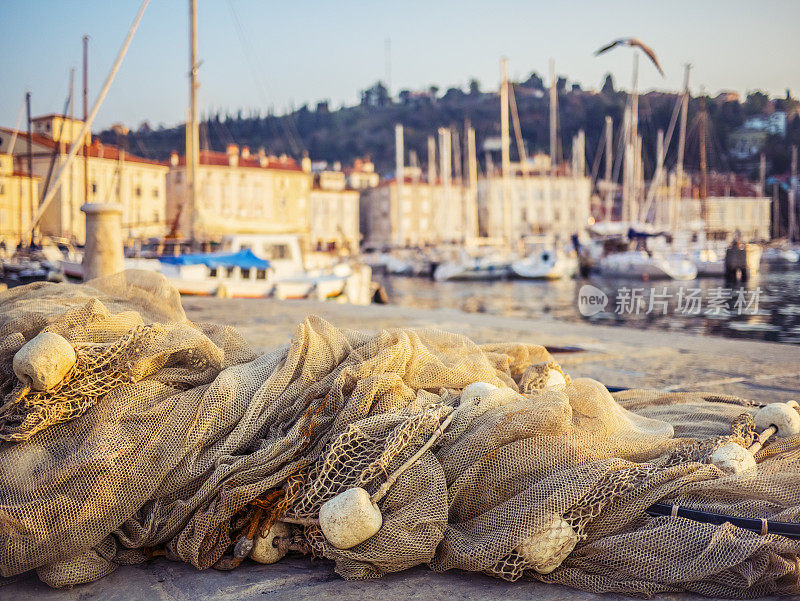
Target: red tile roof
(96, 149)
(220, 159)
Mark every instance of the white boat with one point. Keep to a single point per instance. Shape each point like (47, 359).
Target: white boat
(546, 264)
(638, 264)
(253, 266)
(489, 267)
(780, 255)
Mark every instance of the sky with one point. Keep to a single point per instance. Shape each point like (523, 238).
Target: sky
(266, 54)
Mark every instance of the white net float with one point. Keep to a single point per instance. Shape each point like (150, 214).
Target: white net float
(548, 548)
(263, 549)
(783, 416)
(733, 458)
(44, 360)
(350, 518)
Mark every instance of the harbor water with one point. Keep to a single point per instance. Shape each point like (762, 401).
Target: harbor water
(765, 308)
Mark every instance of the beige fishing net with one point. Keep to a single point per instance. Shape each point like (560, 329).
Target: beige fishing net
(173, 438)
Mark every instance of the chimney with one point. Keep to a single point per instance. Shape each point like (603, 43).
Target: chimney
(337, 166)
(173, 158)
(245, 152)
(233, 155)
(262, 157)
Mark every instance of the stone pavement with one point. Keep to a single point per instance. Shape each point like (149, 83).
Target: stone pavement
(296, 579)
(616, 356)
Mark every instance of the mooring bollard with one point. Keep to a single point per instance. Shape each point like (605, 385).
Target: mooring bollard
(102, 253)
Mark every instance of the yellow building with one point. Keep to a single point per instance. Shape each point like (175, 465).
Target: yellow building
(729, 216)
(362, 174)
(17, 190)
(238, 192)
(333, 213)
(557, 204)
(114, 176)
(418, 214)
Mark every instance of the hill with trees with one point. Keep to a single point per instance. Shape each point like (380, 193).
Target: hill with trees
(368, 128)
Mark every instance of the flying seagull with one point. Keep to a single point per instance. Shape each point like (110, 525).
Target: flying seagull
(633, 42)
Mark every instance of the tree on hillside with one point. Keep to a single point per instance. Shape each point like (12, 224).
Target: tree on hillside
(756, 103)
(608, 86)
(377, 96)
(534, 82)
(474, 87)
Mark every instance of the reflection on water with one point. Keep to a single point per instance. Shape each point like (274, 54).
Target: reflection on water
(776, 316)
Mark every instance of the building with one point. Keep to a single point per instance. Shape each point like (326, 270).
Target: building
(774, 123)
(333, 213)
(557, 204)
(114, 176)
(362, 174)
(418, 214)
(19, 195)
(747, 217)
(239, 192)
(746, 142)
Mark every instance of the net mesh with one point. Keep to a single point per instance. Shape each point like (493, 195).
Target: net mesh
(173, 438)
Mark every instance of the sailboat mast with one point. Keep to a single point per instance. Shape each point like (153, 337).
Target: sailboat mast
(70, 196)
(554, 158)
(633, 133)
(609, 165)
(703, 162)
(431, 161)
(505, 151)
(85, 140)
(793, 197)
(473, 183)
(400, 178)
(192, 129)
(681, 142)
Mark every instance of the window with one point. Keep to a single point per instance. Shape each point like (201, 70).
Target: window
(155, 192)
(245, 273)
(229, 271)
(213, 272)
(94, 188)
(261, 274)
(138, 191)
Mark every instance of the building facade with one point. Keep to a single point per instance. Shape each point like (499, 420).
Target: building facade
(362, 175)
(238, 192)
(413, 214)
(539, 204)
(114, 176)
(333, 214)
(19, 195)
(729, 216)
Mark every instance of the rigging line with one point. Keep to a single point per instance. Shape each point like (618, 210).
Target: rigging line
(249, 55)
(622, 134)
(598, 155)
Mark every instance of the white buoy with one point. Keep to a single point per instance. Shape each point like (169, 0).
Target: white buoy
(44, 360)
(548, 548)
(733, 458)
(263, 549)
(555, 379)
(476, 391)
(783, 416)
(350, 518)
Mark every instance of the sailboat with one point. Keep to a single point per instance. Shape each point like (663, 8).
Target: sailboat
(545, 261)
(648, 260)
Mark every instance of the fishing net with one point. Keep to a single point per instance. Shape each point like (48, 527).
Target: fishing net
(174, 438)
